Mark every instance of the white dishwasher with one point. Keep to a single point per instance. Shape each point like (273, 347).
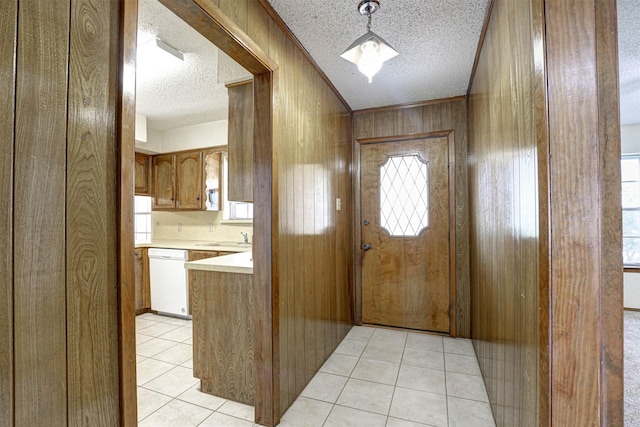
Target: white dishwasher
(168, 281)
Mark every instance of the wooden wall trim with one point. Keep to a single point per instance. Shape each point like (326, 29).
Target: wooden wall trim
(541, 113)
(358, 252)
(287, 31)
(411, 105)
(206, 18)
(631, 269)
(586, 280)
(408, 137)
(611, 278)
(126, 275)
(8, 53)
(441, 117)
(483, 33)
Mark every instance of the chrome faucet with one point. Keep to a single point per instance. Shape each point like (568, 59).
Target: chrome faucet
(246, 237)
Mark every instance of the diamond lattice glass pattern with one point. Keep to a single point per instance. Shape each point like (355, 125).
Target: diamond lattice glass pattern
(404, 195)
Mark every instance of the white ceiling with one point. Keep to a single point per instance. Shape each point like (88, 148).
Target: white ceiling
(437, 41)
(194, 91)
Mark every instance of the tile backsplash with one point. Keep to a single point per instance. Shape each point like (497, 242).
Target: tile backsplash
(196, 225)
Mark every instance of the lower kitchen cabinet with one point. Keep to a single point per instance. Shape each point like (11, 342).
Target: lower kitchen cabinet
(195, 256)
(142, 290)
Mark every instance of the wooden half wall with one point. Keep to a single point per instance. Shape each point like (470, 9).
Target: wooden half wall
(310, 251)
(420, 118)
(58, 219)
(545, 222)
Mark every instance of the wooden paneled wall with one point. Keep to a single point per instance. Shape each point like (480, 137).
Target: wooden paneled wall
(424, 118)
(59, 285)
(315, 255)
(505, 220)
(312, 253)
(544, 193)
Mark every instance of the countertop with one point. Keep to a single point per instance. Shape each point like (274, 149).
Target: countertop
(194, 245)
(236, 263)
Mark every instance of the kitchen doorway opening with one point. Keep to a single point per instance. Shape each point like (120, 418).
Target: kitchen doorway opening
(216, 27)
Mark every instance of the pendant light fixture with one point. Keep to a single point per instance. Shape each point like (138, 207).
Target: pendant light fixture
(369, 51)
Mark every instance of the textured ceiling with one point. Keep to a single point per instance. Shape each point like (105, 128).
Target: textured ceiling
(437, 42)
(437, 45)
(629, 53)
(194, 91)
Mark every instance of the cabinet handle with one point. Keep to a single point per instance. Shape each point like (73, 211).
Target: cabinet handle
(198, 198)
(137, 254)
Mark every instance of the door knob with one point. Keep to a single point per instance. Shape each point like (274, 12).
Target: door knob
(366, 222)
(367, 247)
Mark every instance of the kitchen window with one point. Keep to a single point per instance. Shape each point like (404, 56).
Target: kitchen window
(142, 219)
(631, 210)
(234, 211)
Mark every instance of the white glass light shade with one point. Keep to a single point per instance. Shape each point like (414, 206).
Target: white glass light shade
(368, 53)
(369, 63)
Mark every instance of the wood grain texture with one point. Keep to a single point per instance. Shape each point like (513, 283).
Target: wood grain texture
(586, 268)
(91, 215)
(40, 338)
(428, 117)
(240, 142)
(302, 133)
(142, 285)
(405, 279)
(223, 334)
(505, 136)
(611, 278)
(189, 180)
(8, 31)
(126, 276)
(164, 182)
(142, 177)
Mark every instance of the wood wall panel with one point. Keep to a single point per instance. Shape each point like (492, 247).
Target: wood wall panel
(586, 268)
(313, 154)
(39, 253)
(544, 186)
(503, 200)
(8, 31)
(433, 116)
(91, 243)
(63, 190)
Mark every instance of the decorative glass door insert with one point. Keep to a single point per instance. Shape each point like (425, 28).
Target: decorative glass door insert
(404, 195)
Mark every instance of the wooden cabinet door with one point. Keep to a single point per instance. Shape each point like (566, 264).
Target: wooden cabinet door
(240, 185)
(189, 180)
(142, 291)
(212, 179)
(143, 175)
(164, 180)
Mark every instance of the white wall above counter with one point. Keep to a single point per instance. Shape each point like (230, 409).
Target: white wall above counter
(203, 135)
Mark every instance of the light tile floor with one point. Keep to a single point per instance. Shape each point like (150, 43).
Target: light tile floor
(376, 377)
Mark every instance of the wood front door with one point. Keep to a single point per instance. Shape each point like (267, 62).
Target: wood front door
(405, 233)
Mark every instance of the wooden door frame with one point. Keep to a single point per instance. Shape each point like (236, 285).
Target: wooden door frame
(213, 24)
(358, 253)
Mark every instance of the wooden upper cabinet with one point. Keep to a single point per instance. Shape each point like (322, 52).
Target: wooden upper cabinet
(240, 180)
(189, 180)
(212, 180)
(143, 175)
(164, 181)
